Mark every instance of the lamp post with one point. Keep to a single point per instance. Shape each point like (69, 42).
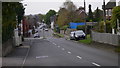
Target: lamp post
(104, 15)
(85, 19)
(43, 30)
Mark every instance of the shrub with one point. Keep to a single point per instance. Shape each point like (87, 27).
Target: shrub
(64, 27)
(81, 27)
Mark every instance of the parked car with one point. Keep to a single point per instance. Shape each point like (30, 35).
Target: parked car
(36, 30)
(36, 35)
(77, 35)
(46, 29)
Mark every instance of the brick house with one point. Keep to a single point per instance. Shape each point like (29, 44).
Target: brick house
(25, 27)
(81, 13)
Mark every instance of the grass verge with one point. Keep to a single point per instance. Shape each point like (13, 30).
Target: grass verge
(58, 35)
(117, 49)
(86, 41)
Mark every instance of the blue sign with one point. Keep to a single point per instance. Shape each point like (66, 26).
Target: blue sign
(74, 25)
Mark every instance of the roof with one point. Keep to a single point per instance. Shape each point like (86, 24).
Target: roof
(110, 5)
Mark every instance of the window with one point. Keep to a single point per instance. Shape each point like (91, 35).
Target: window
(110, 12)
(106, 12)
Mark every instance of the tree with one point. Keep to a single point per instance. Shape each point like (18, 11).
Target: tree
(20, 12)
(62, 17)
(9, 12)
(67, 13)
(48, 15)
(115, 16)
(64, 28)
(81, 27)
(69, 5)
(90, 14)
(41, 17)
(98, 15)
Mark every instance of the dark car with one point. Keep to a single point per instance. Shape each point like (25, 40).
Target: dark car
(77, 35)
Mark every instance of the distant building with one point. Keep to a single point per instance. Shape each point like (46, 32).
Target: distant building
(108, 8)
(81, 12)
(25, 26)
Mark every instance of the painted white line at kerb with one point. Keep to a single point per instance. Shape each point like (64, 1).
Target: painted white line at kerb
(69, 52)
(79, 57)
(95, 64)
(63, 49)
(25, 57)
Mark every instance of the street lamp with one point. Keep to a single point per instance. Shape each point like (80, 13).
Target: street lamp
(104, 15)
(85, 18)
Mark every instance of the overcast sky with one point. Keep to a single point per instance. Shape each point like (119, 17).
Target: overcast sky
(43, 6)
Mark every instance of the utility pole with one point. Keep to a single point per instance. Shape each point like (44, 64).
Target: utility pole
(85, 19)
(104, 15)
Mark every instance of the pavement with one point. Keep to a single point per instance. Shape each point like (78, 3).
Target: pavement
(59, 52)
(17, 57)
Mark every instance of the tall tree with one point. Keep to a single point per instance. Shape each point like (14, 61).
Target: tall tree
(98, 15)
(115, 16)
(41, 17)
(90, 14)
(69, 5)
(9, 12)
(48, 15)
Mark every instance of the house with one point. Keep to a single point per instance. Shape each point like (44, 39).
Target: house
(108, 8)
(25, 26)
(81, 12)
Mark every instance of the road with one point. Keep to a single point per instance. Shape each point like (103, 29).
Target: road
(61, 52)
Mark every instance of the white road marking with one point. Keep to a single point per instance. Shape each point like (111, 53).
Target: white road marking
(69, 52)
(54, 43)
(95, 64)
(58, 46)
(75, 41)
(79, 57)
(25, 57)
(63, 49)
(37, 57)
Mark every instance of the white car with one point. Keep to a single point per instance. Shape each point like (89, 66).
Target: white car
(77, 35)
(46, 29)
(36, 35)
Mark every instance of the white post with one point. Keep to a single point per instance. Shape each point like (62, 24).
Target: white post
(113, 31)
(118, 24)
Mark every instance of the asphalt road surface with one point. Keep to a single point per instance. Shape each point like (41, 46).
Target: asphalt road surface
(61, 52)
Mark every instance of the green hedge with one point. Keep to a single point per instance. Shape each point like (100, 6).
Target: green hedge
(81, 27)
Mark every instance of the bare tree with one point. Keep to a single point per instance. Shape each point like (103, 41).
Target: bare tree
(69, 5)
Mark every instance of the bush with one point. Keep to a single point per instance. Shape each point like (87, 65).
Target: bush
(108, 27)
(58, 35)
(86, 41)
(64, 27)
(100, 27)
(81, 27)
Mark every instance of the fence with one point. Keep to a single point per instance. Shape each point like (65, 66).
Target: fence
(112, 39)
